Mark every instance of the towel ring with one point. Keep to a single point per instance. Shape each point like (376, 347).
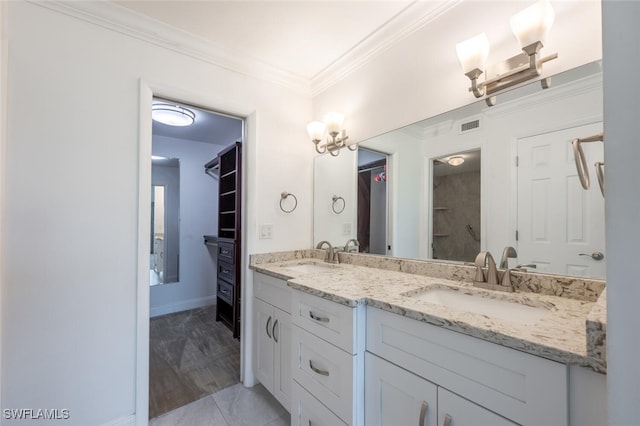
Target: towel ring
(335, 199)
(283, 197)
(581, 161)
(600, 173)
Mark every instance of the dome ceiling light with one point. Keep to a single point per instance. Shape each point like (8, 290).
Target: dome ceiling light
(172, 115)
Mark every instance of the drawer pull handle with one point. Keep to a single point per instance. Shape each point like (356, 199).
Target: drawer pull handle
(267, 328)
(423, 413)
(225, 271)
(317, 370)
(447, 420)
(318, 318)
(273, 331)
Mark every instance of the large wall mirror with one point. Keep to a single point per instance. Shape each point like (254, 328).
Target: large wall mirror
(521, 188)
(165, 220)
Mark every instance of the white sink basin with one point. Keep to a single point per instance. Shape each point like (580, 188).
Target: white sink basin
(484, 304)
(311, 268)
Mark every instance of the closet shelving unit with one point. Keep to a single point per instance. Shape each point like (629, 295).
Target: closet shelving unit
(228, 168)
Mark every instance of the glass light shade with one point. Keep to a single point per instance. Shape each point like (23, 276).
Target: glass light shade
(316, 130)
(172, 115)
(334, 121)
(473, 53)
(533, 23)
(455, 161)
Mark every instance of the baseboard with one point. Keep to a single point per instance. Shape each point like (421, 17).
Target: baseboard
(122, 421)
(183, 305)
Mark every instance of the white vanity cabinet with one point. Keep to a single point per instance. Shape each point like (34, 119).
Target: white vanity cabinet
(327, 361)
(477, 383)
(272, 330)
(395, 396)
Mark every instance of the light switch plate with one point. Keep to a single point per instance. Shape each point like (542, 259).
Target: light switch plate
(346, 229)
(266, 231)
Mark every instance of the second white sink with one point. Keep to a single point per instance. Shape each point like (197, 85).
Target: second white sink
(483, 304)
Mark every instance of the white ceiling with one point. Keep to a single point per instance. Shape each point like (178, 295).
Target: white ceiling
(299, 37)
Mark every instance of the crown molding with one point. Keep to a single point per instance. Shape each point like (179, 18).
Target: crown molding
(410, 20)
(116, 18)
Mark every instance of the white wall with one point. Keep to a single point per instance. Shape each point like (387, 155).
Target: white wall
(333, 176)
(72, 201)
(198, 216)
(622, 207)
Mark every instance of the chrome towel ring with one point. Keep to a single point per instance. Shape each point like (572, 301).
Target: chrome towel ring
(284, 196)
(581, 161)
(335, 199)
(600, 173)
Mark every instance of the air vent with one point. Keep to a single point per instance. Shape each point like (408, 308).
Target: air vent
(470, 125)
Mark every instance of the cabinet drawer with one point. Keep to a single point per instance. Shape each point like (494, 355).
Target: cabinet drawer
(331, 321)
(524, 388)
(226, 272)
(225, 291)
(306, 410)
(226, 251)
(326, 371)
(272, 290)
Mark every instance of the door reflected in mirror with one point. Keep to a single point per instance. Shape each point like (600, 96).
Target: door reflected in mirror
(456, 207)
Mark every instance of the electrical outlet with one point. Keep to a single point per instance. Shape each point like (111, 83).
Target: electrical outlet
(266, 231)
(346, 229)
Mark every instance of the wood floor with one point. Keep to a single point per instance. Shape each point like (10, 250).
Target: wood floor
(190, 356)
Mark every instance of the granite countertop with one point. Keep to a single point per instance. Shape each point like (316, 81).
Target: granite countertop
(572, 331)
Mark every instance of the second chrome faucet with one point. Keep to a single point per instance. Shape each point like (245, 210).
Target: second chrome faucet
(489, 280)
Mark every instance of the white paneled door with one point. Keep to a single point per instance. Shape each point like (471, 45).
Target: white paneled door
(560, 225)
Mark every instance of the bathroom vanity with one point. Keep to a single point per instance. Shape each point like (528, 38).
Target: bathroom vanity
(382, 341)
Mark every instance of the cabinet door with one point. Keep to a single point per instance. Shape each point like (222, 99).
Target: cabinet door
(263, 345)
(283, 347)
(394, 396)
(457, 411)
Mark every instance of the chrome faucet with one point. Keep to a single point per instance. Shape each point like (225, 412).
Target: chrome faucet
(484, 259)
(332, 254)
(356, 245)
(490, 280)
(508, 252)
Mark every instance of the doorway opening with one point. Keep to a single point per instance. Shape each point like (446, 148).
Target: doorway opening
(372, 202)
(192, 353)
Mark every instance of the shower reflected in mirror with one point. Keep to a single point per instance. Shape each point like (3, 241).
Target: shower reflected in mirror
(456, 206)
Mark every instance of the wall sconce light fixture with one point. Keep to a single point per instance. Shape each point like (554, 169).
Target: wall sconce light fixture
(337, 136)
(530, 27)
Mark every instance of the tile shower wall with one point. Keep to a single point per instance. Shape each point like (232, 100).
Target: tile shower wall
(456, 205)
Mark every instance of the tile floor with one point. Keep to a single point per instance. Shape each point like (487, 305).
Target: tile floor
(232, 406)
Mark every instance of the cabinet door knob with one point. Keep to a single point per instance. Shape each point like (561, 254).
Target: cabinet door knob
(318, 318)
(317, 370)
(267, 328)
(273, 330)
(423, 413)
(447, 420)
